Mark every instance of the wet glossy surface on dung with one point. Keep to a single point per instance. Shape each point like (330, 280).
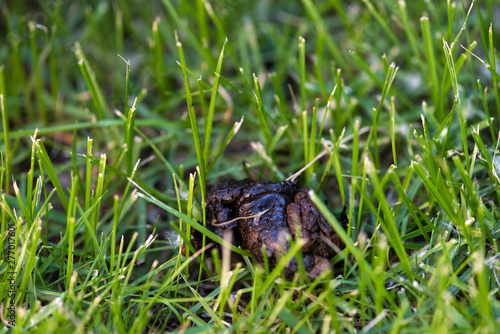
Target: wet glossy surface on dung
(269, 214)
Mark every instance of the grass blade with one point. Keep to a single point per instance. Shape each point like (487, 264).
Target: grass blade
(211, 108)
(192, 117)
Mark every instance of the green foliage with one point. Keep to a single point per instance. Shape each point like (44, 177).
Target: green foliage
(382, 106)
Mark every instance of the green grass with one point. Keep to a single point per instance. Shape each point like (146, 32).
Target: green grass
(117, 117)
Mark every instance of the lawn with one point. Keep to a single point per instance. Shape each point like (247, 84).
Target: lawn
(119, 117)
